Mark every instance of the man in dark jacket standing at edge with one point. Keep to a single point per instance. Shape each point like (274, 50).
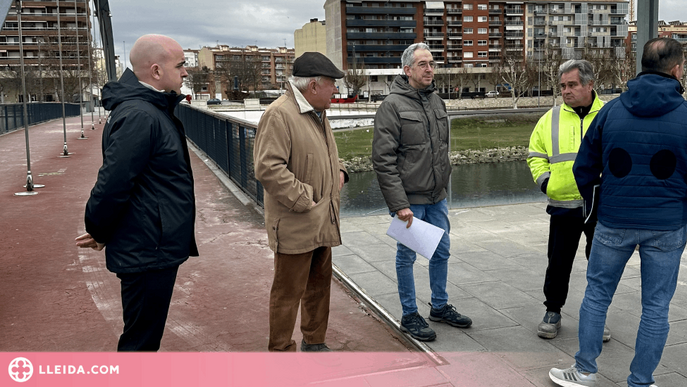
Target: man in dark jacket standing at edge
(142, 208)
(636, 149)
(297, 162)
(410, 157)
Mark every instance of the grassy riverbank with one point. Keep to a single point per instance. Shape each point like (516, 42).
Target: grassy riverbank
(473, 139)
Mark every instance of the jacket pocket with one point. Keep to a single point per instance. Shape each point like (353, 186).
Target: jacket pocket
(412, 128)
(442, 124)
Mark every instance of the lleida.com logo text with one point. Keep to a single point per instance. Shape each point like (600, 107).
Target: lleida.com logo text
(21, 369)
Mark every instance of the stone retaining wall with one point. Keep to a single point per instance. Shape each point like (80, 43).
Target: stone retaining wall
(495, 155)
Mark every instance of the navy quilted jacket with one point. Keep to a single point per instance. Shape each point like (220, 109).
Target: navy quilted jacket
(636, 147)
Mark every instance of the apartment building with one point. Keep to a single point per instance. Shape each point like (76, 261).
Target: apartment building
(574, 26)
(256, 68)
(468, 33)
(673, 29)
(40, 33)
(311, 38)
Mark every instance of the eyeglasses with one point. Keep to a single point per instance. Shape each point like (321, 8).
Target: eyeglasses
(424, 65)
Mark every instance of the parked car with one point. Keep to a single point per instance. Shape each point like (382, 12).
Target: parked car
(492, 94)
(214, 101)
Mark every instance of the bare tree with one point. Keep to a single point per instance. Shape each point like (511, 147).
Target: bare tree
(550, 62)
(355, 78)
(198, 78)
(623, 61)
(249, 70)
(459, 79)
(513, 71)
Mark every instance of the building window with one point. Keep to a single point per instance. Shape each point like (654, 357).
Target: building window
(482, 31)
(481, 7)
(467, 55)
(468, 65)
(482, 54)
(467, 19)
(467, 43)
(467, 31)
(481, 42)
(482, 19)
(467, 6)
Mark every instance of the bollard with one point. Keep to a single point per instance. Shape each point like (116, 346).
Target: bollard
(65, 151)
(92, 126)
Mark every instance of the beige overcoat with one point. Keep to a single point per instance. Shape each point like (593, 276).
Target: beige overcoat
(297, 162)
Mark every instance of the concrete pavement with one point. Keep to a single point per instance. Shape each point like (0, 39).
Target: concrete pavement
(496, 272)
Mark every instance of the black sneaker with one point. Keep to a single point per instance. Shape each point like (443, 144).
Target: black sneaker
(450, 316)
(417, 327)
(314, 347)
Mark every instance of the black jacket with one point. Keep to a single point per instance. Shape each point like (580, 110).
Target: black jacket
(142, 206)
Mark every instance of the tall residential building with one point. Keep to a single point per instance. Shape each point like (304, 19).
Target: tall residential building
(468, 33)
(40, 35)
(573, 26)
(256, 68)
(312, 37)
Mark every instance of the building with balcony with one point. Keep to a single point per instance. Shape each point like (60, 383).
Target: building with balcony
(311, 38)
(674, 29)
(40, 44)
(574, 26)
(256, 68)
(468, 34)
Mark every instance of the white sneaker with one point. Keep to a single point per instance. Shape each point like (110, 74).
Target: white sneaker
(571, 377)
(607, 335)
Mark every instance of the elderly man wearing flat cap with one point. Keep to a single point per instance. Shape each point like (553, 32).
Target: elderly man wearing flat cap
(297, 162)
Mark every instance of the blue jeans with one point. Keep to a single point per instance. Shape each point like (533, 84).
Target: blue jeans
(436, 214)
(660, 253)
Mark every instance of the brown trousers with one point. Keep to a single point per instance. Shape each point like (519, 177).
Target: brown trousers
(303, 279)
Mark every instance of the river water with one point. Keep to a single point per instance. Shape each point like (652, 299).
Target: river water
(473, 185)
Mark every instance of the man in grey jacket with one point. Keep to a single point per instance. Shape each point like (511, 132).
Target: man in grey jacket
(410, 157)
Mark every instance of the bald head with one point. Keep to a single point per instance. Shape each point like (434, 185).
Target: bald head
(154, 58)
(662, 55)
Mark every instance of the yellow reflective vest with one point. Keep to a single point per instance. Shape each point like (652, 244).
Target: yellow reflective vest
(554, 144)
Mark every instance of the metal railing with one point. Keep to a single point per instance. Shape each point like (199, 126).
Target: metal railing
(12, 115)
(227, 141)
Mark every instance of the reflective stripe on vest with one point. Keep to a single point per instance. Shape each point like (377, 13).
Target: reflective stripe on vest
(556, 156)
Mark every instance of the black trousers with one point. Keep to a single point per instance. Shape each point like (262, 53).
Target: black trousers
(145, 300)
(564, 238)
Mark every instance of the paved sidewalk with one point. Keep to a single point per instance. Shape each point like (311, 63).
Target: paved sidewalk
(496, 272)
(56, 297)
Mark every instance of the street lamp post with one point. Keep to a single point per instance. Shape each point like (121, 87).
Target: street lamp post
(539, 73)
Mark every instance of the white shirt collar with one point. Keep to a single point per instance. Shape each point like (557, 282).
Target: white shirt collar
(303, 103)
(150, 87)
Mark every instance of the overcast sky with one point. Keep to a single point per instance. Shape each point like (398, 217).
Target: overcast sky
(238, 23)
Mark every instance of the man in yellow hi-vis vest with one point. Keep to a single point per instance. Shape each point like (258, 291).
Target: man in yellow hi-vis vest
(553, 147)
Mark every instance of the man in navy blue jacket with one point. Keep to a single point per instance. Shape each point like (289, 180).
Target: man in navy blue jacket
(636, 150)
(142, 208)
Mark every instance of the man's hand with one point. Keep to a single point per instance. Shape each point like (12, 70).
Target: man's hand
(342, 180)
(405, 215)
(86, 241)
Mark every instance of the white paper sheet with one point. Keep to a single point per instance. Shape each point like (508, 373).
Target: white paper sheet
(421, 237)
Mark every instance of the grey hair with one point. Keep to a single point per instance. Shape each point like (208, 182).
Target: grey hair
(301, 83)
(409, 54)
(585, 69)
